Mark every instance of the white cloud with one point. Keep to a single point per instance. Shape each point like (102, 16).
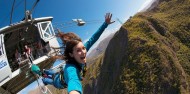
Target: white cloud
(146, 5)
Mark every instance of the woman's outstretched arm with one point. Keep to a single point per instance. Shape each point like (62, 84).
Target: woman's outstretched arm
(97, 34)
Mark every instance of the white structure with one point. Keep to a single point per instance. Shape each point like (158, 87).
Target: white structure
(37, 33)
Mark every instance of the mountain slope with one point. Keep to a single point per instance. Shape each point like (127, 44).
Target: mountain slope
(99, 49)
(150, 54)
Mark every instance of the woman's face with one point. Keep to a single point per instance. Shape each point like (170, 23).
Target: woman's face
(79, 53)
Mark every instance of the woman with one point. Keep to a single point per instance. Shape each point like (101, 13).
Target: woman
(75, 57)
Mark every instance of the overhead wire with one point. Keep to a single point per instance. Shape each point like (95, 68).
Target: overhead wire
(12, 11)
(34, 5)
(7, 16)
(71, 22)
(24, 6)
(68, 24)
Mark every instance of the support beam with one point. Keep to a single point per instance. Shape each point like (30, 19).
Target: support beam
(2, 91)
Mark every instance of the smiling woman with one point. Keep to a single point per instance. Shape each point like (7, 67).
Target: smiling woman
(75, 57)
(75, 53)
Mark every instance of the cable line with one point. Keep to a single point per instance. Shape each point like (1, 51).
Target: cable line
(7, 16)
(12, 11)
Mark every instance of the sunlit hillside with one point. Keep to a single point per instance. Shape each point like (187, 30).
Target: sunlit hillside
(150, 54)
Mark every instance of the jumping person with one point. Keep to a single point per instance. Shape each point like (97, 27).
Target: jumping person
(75, 57)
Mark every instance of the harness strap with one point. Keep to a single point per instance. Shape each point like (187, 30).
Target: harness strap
(61, 77)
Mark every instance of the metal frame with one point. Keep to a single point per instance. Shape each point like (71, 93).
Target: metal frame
(47, 32)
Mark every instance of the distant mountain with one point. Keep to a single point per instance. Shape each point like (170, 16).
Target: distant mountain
(150, 54)
(100, 48)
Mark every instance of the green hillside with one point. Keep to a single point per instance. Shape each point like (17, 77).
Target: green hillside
(150, 54)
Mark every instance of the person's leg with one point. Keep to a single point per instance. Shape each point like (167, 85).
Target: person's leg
(49, 72)
(47, 81)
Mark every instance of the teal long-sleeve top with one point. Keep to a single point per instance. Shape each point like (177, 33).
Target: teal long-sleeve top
(71, 73)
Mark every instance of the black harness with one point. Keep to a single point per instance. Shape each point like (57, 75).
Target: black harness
(61, 75)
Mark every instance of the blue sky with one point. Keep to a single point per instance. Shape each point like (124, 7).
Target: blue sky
(63, 11)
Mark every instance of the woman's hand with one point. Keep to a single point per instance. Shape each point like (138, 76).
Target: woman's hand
(108, 18)
(74, 92)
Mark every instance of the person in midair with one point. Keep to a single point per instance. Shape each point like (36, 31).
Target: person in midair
(75, 57)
